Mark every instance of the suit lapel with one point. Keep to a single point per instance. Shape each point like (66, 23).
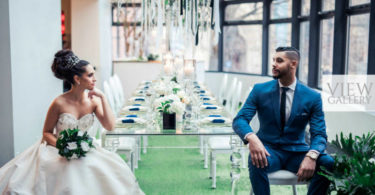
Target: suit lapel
(276, 102)
(295, 104)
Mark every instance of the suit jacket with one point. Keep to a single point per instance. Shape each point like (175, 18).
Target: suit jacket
(306, 107)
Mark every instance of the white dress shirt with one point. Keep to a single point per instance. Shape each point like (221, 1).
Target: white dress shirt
(289, 97)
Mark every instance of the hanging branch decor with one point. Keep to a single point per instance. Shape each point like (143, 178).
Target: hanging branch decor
(183, 20)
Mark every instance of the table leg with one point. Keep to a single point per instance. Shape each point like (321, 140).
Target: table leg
(235, 173)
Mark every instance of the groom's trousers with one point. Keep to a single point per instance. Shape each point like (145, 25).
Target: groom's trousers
(281, 159)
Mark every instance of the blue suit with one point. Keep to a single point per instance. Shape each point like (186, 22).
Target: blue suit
(287, 147)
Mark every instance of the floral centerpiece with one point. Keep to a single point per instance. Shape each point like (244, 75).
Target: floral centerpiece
(74, 143)
(169, 106)
(184, 98)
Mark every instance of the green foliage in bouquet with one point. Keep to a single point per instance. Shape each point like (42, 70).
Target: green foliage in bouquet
(152, 57)
(73, 143)
(174, 79)
(175, 90)
(354, 168)
(165, 106)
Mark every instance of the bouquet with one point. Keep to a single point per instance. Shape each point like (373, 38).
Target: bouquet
(170, 104)
(73, 143)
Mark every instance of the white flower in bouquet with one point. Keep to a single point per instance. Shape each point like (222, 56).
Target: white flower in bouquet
(183, 97)
(177, 107)
(74, 156)
(173, 97)
(372, 160)
(80, 133)
(181, 94)
(186, 100)
(85, 146)
(175, 85)
(160, 88)
(170, 104)
(72, 145)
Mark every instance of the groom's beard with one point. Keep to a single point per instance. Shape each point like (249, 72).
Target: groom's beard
(282, 73)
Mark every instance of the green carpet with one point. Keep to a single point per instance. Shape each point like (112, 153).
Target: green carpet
(180, 170)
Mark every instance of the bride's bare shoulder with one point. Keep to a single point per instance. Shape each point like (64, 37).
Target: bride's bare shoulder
(59, 100)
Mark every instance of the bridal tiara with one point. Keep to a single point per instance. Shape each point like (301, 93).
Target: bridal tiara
(71, 61)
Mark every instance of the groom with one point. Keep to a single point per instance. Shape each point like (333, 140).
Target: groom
(284, 108)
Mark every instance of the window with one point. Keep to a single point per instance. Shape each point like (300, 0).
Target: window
(243, 53)
(127, 39)
(128, 14)
(358, 2)
(304, 52)
(328, 5)
(279, 35)
(281, 9)
(305, 8)
(326, 48)
(244, 11)
(242, 42)
(358, 43)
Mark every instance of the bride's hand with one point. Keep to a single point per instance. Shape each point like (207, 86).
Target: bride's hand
(95, 92)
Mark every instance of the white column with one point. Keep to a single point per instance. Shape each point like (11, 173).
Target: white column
(6, 112)
(91, 35)
(30, 35)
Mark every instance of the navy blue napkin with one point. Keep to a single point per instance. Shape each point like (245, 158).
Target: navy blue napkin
(131, 116)
(211, 108)
(127, 121)
(218, 121)
(214, 115)
(134, 109)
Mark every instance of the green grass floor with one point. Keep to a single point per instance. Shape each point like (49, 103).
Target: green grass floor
(178, 171)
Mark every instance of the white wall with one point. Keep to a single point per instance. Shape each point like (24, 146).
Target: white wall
(105, 39)
(33, 41)
(346, 122)
(132, 73)
(91, 35)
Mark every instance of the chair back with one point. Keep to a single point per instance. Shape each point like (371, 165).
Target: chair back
(121, 89)
(245, 96)
(229, 94)
(223, 88)
(109, 95)
(236, 99)
(115, 93)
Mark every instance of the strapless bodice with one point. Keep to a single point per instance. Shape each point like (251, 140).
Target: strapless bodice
(69, 121)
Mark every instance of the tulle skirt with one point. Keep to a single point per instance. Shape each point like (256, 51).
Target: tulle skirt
(41, 170)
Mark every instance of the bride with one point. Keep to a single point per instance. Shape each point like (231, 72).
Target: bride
(41, 170)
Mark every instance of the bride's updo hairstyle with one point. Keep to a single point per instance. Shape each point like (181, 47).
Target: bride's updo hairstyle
(66, 65)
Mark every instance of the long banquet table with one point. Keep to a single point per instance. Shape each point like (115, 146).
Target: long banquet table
(152, 127)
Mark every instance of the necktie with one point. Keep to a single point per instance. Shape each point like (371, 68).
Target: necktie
(282, 107)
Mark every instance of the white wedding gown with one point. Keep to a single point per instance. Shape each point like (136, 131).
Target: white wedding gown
(41, 170)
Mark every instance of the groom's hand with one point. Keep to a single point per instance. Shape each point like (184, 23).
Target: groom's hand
(306, 169)
(258, 152)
